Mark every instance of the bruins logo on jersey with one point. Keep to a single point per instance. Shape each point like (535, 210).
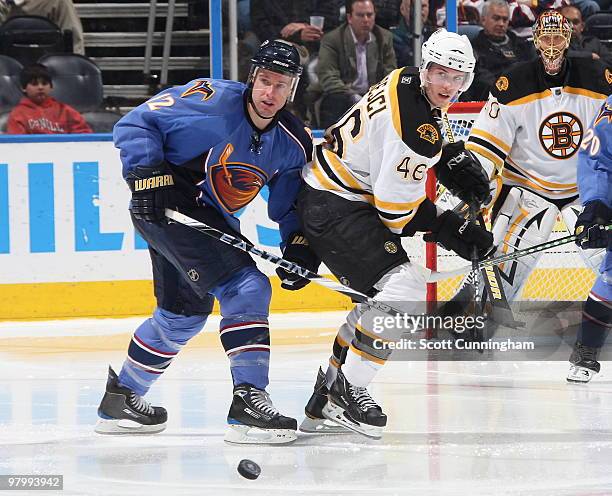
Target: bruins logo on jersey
(561, 134)
(502, 83)
(201, 86)
(428, 133)
(608, 75)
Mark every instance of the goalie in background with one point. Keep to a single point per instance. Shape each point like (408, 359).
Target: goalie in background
(595, 188)
(364, 190)
(527, 138)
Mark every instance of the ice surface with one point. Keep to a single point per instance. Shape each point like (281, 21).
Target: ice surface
(455, 428)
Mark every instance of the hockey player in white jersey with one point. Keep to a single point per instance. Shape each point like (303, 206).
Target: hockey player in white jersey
(365, 189)
(527, 137)
(595, 188)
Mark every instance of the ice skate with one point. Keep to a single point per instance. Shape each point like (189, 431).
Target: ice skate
(584, 364)
(122, 411)
(315, 421)
(253, 419)
(354, 408)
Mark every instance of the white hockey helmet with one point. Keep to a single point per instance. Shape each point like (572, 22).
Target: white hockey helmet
(450, 50)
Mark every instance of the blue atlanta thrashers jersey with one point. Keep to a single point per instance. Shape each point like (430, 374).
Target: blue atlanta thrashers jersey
(595, 158)
(203, 130)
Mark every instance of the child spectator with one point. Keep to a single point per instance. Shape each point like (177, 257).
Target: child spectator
(39, 113)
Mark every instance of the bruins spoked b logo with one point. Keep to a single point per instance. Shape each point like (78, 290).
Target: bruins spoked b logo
(390, 247)
(561, 134)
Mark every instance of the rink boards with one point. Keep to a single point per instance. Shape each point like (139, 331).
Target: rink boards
(67, 245)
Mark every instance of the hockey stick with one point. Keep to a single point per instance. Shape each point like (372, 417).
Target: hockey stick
(490, 262)
(280, 262)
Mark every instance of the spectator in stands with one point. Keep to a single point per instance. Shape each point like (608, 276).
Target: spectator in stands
(39, 113)
(352, 57)
(330, 10)
(496, 49)
(403, 35)
(523, 13)
(61, 12)
(584, 46)
(387, 13)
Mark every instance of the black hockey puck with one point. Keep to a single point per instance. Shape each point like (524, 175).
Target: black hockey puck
(249, 469)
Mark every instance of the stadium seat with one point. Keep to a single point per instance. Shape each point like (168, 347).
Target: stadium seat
(10, 87)
(600, 26)
(470, 30)
(101, 121)
(27, 38)
(77, 80)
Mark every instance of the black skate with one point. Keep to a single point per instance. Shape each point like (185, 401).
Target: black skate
(315, 421)
(354, 408)
(122, 411)
(253, 419)
(584, 363)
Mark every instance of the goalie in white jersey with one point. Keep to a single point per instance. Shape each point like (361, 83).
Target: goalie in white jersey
(527, 137)
(364, 190)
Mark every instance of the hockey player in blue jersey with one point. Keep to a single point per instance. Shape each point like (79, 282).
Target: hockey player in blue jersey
(595, 188)
(207, 149)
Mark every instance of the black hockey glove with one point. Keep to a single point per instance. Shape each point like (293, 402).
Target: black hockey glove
(152, 192)
(298, 251)
(462, 174)
(460, 235)
(590, 225)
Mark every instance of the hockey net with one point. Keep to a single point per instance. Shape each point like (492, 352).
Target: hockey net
(560, 274)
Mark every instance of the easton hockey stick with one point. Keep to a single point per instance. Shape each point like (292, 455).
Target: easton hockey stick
(292, 267)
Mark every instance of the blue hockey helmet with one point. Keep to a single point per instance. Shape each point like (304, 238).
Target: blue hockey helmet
(277, 56)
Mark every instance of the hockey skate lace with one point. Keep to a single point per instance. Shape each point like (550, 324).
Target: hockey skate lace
(262, 401)
(139, 404)
(362, 398)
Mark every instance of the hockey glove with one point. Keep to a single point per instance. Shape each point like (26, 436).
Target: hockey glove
(152, 192)
(298, 251)
(460, 235)
(462, 174)
(590, 225)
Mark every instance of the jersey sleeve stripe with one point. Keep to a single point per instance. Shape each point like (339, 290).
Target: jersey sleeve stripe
(583, 92)
(341, 170)
(476, 148)
(397, 225)
(488, 137)
(322, 178)
(393, 98)
(513, 177)
(329, 171)
(397, 206)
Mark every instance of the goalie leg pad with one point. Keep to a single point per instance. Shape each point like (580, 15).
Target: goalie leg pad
(524, 220)
(593, 257)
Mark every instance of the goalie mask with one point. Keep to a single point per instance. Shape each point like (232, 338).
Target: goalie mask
(551, 36)
(448, 50)
(277, 56)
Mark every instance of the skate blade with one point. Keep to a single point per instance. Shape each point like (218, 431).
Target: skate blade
(580, 375)
(322, 426)
(126, 426)
(336, 414)
(244, 434)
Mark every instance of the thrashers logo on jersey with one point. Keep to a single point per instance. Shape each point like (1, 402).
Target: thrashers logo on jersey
(608, 75)
(236, 184)
(561, 134)
(604, 113)
(502, 83)
(202, 86)
(428, 133)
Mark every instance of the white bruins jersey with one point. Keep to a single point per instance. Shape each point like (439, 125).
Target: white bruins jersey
(532, 132)
(380, 150)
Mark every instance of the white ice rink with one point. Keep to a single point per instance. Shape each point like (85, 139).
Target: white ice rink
(455, 428)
